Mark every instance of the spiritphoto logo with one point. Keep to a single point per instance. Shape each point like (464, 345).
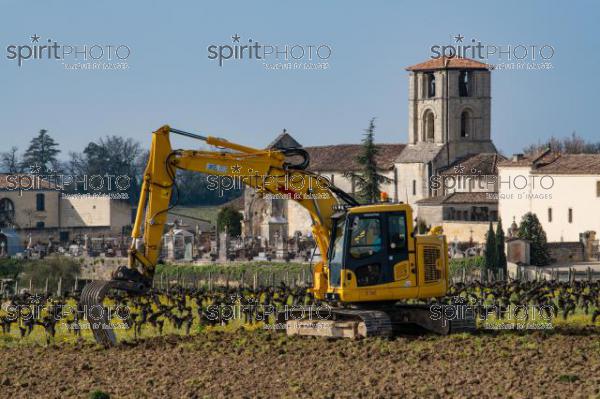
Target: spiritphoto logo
(288, 186)
(291, 56)
(512, 56)
(70, 185)
(494, 316)
(94, 56)
(506, 186)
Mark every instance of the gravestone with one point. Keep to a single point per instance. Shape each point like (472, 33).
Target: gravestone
(517, 251)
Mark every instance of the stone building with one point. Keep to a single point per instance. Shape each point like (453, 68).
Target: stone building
(42, 211)
(277, 219)
(449, 127)
(466, 198)
(449, 118)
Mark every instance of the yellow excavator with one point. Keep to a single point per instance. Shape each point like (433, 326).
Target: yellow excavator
(372, 260)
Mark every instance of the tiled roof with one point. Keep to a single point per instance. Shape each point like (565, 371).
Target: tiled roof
(421, 152)
(579, 164)
(485, 163)
(460, 198)
(342, 157)
(556, 163)
(339, 157)
(448, 63)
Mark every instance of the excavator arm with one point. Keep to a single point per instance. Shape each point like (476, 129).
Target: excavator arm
(267, 170)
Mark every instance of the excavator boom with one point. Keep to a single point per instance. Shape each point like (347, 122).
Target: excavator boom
(266, 170)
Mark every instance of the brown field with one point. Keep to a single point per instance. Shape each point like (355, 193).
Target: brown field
(249, 364)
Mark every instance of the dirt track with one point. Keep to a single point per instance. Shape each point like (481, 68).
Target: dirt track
(262, 364)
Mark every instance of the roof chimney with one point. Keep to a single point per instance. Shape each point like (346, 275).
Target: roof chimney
(517, 157)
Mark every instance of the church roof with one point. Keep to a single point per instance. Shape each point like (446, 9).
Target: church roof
(284, 140)
(448, 63)
(342, 157)
(485, 163)
(339, 157)
(459, 198)
(421, 152)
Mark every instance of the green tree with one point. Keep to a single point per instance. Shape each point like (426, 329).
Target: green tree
(40, 157)
(500, 250)
(368, 179)
(230, 220)
(116, 157)
(531, 230)
(490, 250)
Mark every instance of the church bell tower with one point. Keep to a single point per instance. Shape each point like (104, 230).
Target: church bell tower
(450, 106)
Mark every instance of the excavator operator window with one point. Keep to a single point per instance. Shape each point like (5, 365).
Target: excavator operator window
(365, 236)
(397, 232)
(336, 255)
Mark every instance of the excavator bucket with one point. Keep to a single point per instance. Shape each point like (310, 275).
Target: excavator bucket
(92, 302)
(92, 298)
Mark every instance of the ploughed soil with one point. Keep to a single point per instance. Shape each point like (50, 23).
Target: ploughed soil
(248, 364)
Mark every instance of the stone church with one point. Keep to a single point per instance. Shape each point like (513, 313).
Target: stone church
(449, 137)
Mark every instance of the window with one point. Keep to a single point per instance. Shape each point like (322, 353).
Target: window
(598, 188)
(40, 202)
(40, 225)
(549, 215)
(463, 83)
(494, 216)
(64, 236)
(465, 124)
(7, 212)
(570, 215)
(337, 249)
(414, 187)
(397, 232)
(428, 126)
(365, 237)
(430, 85)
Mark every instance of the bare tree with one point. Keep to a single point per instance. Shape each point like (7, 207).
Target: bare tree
(10, 161)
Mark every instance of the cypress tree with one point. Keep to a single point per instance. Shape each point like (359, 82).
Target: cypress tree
(500, 250)
(490, 250)
(369, 179)
(531, 230)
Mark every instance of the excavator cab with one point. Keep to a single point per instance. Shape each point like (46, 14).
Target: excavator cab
(376, 256)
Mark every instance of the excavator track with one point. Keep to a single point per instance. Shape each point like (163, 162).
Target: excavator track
(341, 323)
(380, 321)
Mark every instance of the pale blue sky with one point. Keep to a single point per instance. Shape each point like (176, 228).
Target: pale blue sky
(171, 80)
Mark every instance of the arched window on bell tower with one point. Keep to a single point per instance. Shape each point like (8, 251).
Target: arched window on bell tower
(465, 124)
(464, 83)
(430, 85)
(428, 126)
